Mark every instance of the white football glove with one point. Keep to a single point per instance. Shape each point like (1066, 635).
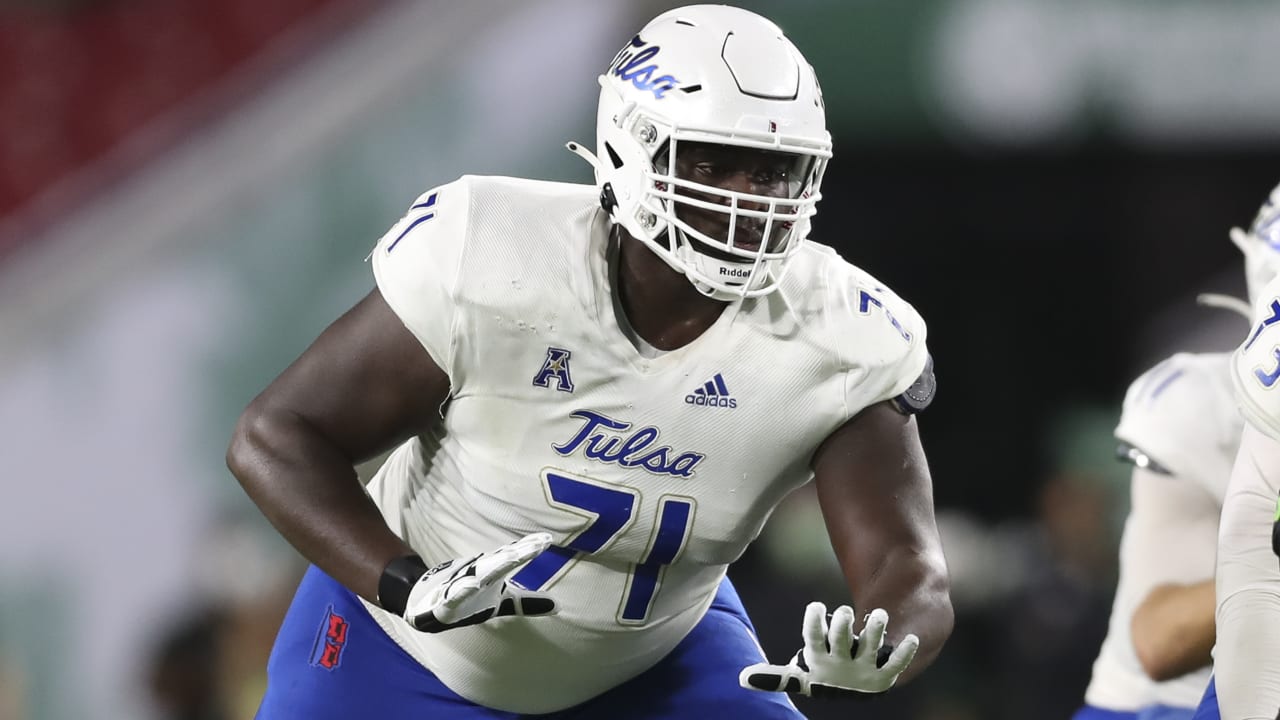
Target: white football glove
(835, 661)
(457, 593)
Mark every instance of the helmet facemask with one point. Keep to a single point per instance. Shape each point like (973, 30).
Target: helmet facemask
(732, 212)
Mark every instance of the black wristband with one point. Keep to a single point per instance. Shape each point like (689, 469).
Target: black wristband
(398, 579)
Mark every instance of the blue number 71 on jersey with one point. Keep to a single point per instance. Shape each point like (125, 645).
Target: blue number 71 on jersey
(609, 511)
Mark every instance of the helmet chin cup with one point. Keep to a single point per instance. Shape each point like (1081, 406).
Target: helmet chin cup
(720, 278)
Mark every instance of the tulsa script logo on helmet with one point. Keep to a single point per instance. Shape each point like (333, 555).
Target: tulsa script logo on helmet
(633, 65)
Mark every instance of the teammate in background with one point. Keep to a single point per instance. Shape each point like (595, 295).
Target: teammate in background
(1180, 429)
(597, 395)
(1246, 671)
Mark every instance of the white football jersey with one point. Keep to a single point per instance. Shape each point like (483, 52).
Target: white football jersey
(1248, 573)
(652, 471)
(1256, 364)
(1182, 416)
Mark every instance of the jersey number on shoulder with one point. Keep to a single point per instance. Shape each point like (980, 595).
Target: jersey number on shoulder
(1265, 322)
(424, 210)
(609, 510)
(866, 300)
(1268, 378)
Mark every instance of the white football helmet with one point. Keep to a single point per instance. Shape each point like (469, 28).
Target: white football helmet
(718, 75)
(1261, 246)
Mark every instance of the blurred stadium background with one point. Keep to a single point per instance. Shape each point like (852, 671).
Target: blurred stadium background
(188, 189)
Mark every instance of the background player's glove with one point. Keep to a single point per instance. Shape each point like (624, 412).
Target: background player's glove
(835, 661)
(468, 591)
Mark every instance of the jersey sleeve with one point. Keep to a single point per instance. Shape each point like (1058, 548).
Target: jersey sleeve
(1248, 585)
(1180, 417)
(883, 350)
(1169, 535)
(417, 264)
(1255, 365)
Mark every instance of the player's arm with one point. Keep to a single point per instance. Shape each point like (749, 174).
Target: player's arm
(365, 385)
(1248, 584)
(876, 496)
(1167, 554)
(1173, 630)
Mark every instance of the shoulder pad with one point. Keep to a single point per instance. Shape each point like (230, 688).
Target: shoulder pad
(1180, 418)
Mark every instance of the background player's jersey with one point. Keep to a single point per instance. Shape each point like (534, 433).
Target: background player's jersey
(1248, 573)
(1256, 364)
(1182, 416)
(653, 473)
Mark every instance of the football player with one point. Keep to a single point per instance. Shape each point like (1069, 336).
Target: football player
(596, 395)
(1180, 429)
(1246, 670)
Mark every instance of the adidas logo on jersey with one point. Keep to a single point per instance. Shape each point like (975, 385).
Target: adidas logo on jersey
(713, 393)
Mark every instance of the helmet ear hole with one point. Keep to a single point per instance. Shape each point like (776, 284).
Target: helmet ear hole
(613, 156)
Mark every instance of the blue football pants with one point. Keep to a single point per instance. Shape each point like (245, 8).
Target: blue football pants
(332, 661)
(1208, 709)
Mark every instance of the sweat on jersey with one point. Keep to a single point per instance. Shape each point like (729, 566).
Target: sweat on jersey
(652, 473)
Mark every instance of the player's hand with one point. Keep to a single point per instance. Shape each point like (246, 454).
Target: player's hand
(835, 661)
(468, 591)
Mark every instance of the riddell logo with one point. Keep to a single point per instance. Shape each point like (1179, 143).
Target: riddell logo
(713, 393)
(734, 272)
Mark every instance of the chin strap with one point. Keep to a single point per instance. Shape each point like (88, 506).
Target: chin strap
(1225, 302)
(585, 154)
